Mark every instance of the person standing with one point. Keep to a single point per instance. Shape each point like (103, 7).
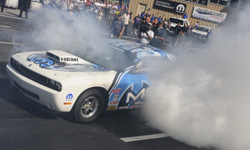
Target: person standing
(117, 26)
(196, 24)
(24, 6)
(99, 16)
(152, 18)
(185, 16)
(160, 36)
(136, 22)
(2, 4)
(147, 36)
(177, 34)
(126, 17)
(155, 24)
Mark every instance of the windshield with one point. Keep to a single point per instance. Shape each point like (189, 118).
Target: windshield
(173, 20)
(111, 58)
(202, 29)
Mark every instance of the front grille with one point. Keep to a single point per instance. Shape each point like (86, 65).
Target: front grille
(31, 74)
(26, 91)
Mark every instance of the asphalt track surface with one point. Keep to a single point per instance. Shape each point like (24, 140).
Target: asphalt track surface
(26, 125)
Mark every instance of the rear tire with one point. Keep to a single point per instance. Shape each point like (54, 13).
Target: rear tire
(88, 106)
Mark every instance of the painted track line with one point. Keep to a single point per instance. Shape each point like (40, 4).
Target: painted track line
(144, 137)
(7, 16)
(9, 43)
(4, 26)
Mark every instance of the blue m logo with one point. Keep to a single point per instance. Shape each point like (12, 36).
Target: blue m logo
(43, 62)
(69, 96)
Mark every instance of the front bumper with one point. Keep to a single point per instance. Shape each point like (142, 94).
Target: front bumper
(48, 97)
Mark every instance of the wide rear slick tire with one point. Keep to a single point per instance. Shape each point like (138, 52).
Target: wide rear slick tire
(88, 106)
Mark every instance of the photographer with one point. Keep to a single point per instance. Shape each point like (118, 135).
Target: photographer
(146, 34)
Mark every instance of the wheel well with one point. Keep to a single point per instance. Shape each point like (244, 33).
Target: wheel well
(103, 91)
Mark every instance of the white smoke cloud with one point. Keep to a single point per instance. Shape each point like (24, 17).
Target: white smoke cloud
(56, 29)
(203, 98)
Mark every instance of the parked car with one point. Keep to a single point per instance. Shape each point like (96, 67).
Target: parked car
(201, 32)
(86, 84)
(174, 23)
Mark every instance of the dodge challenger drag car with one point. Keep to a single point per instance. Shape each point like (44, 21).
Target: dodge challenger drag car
(85, 85)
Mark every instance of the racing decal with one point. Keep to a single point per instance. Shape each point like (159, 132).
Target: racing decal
(63, 59)
(69, 97)
(116, 97)
(114, 103)
(123, 107)
(112, 108)
(43, 62)
(129, 89)
(131, 97)
(49, 63)
(116, 90)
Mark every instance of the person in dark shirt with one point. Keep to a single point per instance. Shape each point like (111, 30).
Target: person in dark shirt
(117, 26)
(185, 34)
(152, 18)
(136, 22)
(24, 6)
(160, 36)
(177, 33)
(2, 3)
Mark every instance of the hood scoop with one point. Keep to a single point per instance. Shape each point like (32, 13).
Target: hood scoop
(64, 57)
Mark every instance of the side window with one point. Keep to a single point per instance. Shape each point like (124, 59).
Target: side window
(140, 68)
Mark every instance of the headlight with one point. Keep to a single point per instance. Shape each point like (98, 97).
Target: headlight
(58, 86)
(54, 85)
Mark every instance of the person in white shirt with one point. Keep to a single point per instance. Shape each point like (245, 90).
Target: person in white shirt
(147, 36)
(126, 17)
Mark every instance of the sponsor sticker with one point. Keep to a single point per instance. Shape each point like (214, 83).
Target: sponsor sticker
(123, 107)
(112, 108)
(114, 103)
(69, 97)
(116, 97)
(116, 90)
(134, 106)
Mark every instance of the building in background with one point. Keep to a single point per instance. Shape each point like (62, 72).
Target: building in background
(206, 12)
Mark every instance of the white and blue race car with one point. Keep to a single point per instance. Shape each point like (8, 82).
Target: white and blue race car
(88, 84)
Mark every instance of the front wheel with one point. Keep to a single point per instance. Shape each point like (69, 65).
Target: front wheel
(88, 106)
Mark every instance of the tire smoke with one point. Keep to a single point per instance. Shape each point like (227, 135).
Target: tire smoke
(203, 98)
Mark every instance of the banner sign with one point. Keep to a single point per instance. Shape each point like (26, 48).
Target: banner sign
(170, 6)
(209, 15)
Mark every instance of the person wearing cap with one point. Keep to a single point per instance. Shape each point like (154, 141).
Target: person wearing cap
(136, 22)
(147, 36)
(160, 36)
(117, 26)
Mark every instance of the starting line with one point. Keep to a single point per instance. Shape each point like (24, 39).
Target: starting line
(144, 137)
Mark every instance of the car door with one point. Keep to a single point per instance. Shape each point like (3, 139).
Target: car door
(130, 88)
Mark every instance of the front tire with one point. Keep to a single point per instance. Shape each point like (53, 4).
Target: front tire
(88, 106)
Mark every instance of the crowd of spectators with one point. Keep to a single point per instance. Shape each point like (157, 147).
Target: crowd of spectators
(149, 28)
(154, 30)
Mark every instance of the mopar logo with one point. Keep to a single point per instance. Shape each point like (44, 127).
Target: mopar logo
(69, 97)
(43, 62)
(180, 8)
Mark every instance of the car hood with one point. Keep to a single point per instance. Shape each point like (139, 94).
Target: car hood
(61, 61)
(50, 64)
